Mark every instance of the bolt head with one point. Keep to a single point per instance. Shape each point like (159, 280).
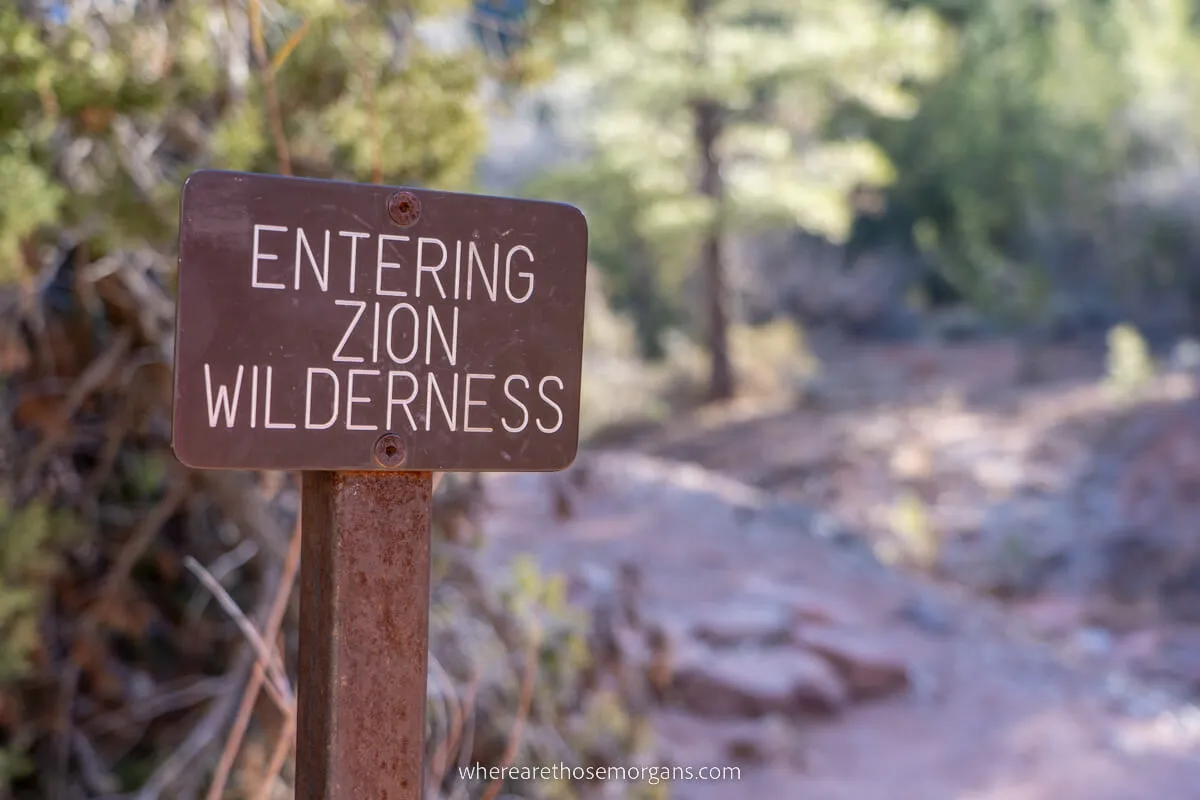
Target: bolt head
(389, 451)
(404, 208)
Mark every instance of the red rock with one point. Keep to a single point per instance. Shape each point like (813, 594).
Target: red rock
(753, 683)
(806, 603)
(744, 622)
(867, 665)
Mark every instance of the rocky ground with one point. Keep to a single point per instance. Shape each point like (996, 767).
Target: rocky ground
(1031, 638)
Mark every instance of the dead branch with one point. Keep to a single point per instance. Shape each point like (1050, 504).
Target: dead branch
(461, 712)
(91, 768)
(518, 728)
(274, 114)
(242, 505)
(196, 692)
(118, 428)
(283, 746)
(96, 374)
(266, 656)
(220, 569)
(258, 676)
(207, 731)
(149, 527)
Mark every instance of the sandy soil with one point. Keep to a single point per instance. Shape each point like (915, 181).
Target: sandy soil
(1025, 701)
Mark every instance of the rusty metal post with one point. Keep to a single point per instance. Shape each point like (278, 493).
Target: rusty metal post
(364, 635)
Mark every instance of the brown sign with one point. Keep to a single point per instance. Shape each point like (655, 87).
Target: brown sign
(337, 326)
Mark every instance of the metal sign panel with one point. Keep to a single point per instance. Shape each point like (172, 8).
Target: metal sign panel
(337, 326)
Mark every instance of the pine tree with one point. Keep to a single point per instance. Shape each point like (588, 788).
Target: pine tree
(715, 112)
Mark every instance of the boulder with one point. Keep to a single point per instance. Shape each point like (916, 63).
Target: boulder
(745, 622)
(804, 603)
(754, 683)
(867, 665)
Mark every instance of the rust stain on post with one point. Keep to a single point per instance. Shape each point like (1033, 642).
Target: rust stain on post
(364, 635)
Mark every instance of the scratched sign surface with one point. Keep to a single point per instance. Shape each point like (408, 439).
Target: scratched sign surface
(317, 317)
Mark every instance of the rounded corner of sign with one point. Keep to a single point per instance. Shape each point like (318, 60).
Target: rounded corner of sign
(197, 175)
(577, 212)
(568, 462)
(197, 181)
(182, 458)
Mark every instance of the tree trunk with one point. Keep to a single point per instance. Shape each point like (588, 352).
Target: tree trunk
(707, 118)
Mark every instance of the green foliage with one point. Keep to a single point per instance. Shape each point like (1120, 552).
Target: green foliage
(29, 542)
(101, 117)
(636, 282)
(1129, 365)
(777, 71)
(484, 635)
(27, 564)
(915, 540)
(1024, 151)
(357, 99)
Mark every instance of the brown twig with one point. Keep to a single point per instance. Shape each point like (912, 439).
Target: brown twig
(220, 568)
(91, 768)
(373, 134)
(149, 527)
(436, 770)
(203, 734)
(283, 746)
(267, 657)
(196, 692)
(274, 114)
(118, 429)
(241, 504)
(518, 727)
(376, 136)
(257, 676)
(97, 372)
(66, 729)
(461, 710)
(236, 733)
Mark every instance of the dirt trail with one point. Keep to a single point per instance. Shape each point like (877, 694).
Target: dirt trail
(1022, 490)
(991, 713)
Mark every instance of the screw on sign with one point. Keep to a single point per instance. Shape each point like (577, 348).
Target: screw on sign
(366, 337)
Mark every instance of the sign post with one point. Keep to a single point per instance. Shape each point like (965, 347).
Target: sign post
(366, 337)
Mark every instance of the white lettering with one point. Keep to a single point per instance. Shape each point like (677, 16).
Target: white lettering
(257, 256)
(450, 346)
(457, 267)
(322, 273)
(267, 411)
(468, 402)
(392, 401)
(423, 267)
(254, 396)
(353, 236)
(475, 259)
(222, 400)
(542, 394)
(416, 336)
(449, 412)
(375, 338)
(381, 265)
(337, 354)
(528, 276)
(308, 397)
(351, 400)
(519, 404)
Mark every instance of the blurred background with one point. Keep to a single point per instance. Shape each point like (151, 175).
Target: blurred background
(890, 482)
